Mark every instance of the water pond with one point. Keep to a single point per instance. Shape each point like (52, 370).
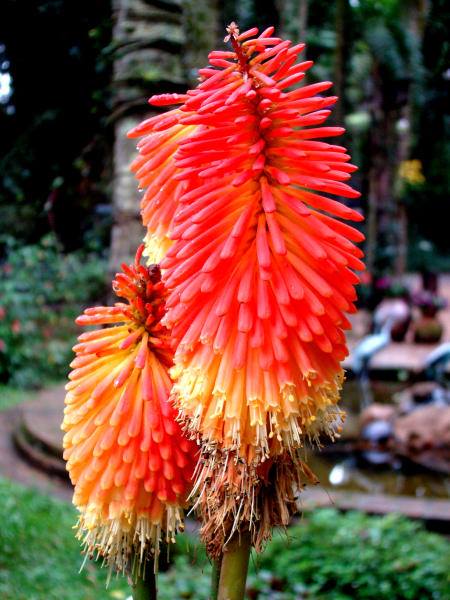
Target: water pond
(349, 471)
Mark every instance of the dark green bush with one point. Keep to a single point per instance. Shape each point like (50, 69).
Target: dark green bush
(42, 290)
(40, 558)
(333, 556)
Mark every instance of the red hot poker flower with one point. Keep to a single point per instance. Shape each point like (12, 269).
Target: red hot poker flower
(260, 274)
(126, 456)
(261, 269)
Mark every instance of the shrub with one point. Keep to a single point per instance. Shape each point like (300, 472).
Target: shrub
(334, 556)
(40, 558)
(42, 290)
(331, 556)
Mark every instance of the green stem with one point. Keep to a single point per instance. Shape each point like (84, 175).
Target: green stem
(143, 585)
(215, 576)
(233, 573)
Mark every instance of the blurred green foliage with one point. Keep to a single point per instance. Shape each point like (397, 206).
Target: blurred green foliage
(56, 142)
(333, 556)
(42, 290)
(39, 556)
(10, 396)
(328, 556)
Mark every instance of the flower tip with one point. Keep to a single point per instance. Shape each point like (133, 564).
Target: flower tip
(167, 99)
(135, 131)
(232, 30)
(139, 251)
(351, 193)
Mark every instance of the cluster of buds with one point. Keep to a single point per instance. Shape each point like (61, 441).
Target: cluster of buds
(245, 330)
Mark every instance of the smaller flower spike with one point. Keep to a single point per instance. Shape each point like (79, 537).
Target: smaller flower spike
(126, 455)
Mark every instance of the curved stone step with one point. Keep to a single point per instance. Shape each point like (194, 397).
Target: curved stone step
(37, 434)
(37, 453)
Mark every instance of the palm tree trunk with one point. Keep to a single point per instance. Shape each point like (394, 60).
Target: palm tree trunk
(201, 24)
(414, 18)
(148, 41)
(293, 19)
(302, 19)
(339, 60)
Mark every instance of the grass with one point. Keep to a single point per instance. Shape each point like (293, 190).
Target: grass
(10, 396)
(329, 556)
(39, 556)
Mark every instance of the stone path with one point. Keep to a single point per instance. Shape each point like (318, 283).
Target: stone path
(42, 417)
(432, 510)
(47, 411)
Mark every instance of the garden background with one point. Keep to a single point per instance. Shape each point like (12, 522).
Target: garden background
(74, 77)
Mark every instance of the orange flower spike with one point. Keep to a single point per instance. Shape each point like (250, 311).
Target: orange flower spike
(126, 456)
(260, 272)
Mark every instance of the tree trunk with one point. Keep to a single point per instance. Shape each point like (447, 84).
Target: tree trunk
(201, 23)
(148, 41)
(380, 195)
(339, 61)
(414, 18)
(293, 19)
(302, 19)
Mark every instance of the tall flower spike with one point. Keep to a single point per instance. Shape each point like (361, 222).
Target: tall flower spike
(126, 456)
(261, 270)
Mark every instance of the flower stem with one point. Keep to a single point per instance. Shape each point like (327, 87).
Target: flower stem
(215, 577)
(233, 573)
(144, 585)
